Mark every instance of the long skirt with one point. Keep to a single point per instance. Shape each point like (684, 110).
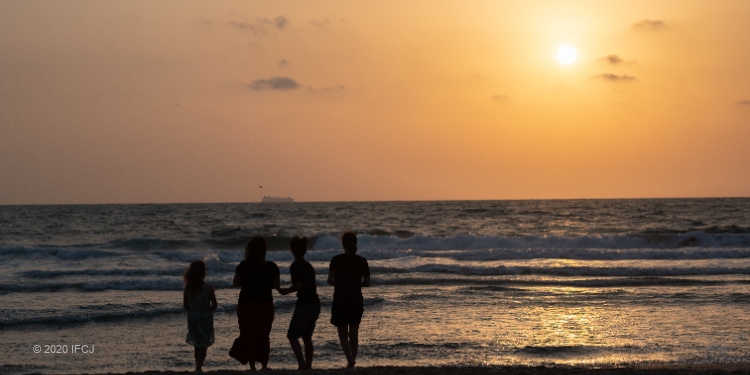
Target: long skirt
(254, 344)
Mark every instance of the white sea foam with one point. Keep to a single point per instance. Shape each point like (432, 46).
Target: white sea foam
(472, 242)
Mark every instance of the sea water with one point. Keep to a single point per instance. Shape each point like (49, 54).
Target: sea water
(97, 288)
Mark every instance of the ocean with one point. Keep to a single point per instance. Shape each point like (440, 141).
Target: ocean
(592, 283)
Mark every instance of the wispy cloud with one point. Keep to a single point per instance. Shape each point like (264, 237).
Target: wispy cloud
(650, 25)
(261, 25)
(206, 21)
(325, 23)
(500, 98)
(280, 22)
(614, 60)
(284, 63)
(743, 103)
(615, 78)
(275, 83)
(327, 90)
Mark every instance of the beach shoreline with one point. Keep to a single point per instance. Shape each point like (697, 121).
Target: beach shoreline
(713, 368)
(490, 287)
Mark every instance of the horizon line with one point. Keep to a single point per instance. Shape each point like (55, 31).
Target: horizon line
(369, 201)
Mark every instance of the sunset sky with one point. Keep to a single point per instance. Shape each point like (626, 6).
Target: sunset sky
(205, 101)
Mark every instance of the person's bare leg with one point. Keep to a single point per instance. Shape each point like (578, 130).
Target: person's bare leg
(354, 339)
(344, 340)
(308, 352)
(196, 356)
(203, 357)
(200, 357)
(297, 349)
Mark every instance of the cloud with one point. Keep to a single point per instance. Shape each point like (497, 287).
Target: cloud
(613, 60)
(501, 98)
(650, 25)
(616, 78)
(275, 83)
(284, 63)
(261, 25)
(743, 103)
(326, 23)
(280, 22)
(327, 90)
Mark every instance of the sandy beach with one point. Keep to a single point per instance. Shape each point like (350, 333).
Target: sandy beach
(729, 368)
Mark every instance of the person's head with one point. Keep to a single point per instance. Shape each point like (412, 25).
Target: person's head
(349, 242)
(255, 250)
(195, 275)
(298, 246)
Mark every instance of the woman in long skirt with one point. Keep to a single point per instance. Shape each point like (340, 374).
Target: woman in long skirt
(257, 278)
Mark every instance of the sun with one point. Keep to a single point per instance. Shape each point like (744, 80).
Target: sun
(566, 54)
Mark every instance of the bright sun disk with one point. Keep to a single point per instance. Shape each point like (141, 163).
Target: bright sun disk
(566, 54)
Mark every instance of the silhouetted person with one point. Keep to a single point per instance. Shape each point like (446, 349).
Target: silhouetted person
(255, 312)
(348, 273)
(307, 309)
(199, 299)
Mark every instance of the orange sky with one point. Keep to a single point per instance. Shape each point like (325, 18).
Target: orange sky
(195, 101)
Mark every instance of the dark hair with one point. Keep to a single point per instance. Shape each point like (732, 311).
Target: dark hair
(298, 245)
(349, 241)
(255, 250)
(195, 276)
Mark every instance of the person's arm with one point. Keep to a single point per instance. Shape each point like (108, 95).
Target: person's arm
(277, 280)
(212, 296)
(331, 276)
(366, 274)
(185, 304)
(295, 287)
(237, 280)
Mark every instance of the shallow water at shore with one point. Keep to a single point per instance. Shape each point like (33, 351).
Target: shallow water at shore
(553, 283)
(424, 326)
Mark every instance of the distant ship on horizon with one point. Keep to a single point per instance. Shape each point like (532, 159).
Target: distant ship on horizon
(267, 199)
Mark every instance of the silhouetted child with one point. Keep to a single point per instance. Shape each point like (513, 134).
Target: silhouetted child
(307, 309)
(348, 273)
(199, 300)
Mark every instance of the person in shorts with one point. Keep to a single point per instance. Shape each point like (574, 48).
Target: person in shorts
(307, 309)
(348, 273)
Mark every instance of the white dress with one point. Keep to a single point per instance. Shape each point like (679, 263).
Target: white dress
(200, 317)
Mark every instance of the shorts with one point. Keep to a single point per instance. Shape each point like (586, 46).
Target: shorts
(347, 311)
(303, 320)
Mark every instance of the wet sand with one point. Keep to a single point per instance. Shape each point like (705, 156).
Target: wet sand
(718, 369)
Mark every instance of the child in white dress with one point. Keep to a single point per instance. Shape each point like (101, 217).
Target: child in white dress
(199, 300)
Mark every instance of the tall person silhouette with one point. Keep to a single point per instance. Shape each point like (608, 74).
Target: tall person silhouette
(348, 273)
(257, 278)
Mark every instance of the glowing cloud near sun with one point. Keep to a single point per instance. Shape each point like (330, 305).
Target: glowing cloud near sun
(566, 54)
